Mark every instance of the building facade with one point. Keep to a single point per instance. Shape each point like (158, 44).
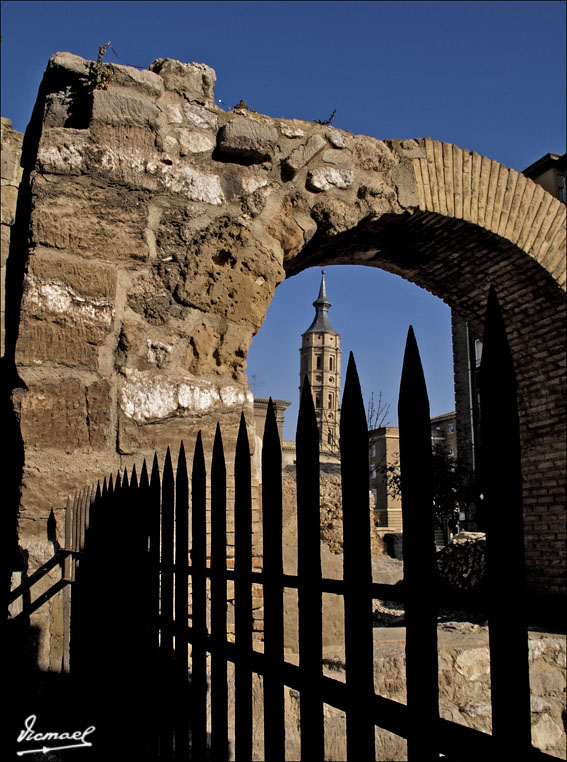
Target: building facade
(320, 364)
(444, 433)
(384, 454)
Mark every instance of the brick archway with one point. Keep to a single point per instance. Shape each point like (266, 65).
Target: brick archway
(155, 228)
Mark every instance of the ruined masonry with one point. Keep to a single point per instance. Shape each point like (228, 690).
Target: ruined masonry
(152, 229)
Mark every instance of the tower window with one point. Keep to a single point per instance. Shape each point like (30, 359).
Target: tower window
(318, 400)
(318, 362)
(331, 360)
(330, 401)
(330, 438)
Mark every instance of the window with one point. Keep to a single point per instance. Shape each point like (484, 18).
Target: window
(318, 362)
(374, 449)
(318, 400)
(478, 352)
(330, 438)
(330, 398)
(331, 361)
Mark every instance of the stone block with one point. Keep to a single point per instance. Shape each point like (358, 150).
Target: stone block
(134, 438)
(156, 411)
(141, 80)
(290, 130)
(52, 476)
(8, 201)
(248, 140)
(92, 222)
(101, 431)
(67, 310)
(285, 229)
(54, 344)
(196, 81)
(189, 182)
(62, 152)
(68, 62)
(91, 282)
(325, 178)
(4, 247)
(336, 138)
(10, 158)
(403, 175)
(54, 415)
(200, 117)
(303, 154)
(546, 734)
(117, 108)
(194, 142)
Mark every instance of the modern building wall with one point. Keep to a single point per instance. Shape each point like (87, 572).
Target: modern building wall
(384, 452)
(444, 433)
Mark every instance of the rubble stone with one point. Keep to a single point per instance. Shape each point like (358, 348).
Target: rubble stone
(323, 179)
(248, 139)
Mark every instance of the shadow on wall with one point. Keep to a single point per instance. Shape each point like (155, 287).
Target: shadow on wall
(112, 704)
(13, 451)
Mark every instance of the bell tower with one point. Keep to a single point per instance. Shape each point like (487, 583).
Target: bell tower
(320, 363)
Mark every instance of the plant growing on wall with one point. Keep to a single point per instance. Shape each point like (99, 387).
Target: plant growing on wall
(100, 74)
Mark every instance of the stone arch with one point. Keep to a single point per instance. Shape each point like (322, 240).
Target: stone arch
(156, 227)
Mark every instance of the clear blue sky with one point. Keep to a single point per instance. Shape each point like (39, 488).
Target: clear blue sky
(488, 76)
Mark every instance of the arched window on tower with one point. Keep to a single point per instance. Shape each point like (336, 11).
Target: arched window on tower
(330, 437)
(318, 400)
(318, 362)
(331, 361)
(330, 401)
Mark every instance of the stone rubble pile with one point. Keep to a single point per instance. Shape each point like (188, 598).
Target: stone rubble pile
(462, 563)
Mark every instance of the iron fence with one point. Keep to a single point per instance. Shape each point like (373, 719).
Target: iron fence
(147, 620)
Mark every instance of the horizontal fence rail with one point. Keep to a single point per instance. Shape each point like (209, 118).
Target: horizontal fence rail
(148, 563)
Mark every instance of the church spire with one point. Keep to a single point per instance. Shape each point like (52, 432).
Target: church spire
(320, 363)
(321, 321)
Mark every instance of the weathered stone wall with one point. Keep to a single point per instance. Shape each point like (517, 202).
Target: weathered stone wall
(153, 228)
(464, 690)
(10, 176)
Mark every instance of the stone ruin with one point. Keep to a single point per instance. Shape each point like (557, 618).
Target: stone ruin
(144, 231)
